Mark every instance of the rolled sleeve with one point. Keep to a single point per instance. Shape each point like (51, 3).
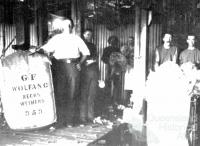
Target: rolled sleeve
(50, 45)
(83, 47)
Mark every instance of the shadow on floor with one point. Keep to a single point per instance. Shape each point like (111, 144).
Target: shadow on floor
(122, 135)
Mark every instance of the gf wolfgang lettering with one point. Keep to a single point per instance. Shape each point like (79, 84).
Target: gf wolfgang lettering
(30, 91)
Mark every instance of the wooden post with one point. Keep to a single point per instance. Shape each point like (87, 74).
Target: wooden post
(140, 57)
(140, 51)
(19, 24)
(137, 34)
(26, 24)
(143, 45)
(76, 16)
(42, 22)
(22, 24)
(142, 65)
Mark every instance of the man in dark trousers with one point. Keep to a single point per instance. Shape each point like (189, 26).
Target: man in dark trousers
(70, 52)
(89, 80)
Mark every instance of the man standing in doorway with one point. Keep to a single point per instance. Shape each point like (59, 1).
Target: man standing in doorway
(89, 81)
(70, 51)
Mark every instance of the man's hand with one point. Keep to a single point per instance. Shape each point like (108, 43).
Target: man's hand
(78, 66)
(90, 61)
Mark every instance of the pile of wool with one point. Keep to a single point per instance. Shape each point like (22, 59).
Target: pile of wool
(167, 91)
(170, 85)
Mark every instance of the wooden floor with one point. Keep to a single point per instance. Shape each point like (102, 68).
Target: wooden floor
(89, 135)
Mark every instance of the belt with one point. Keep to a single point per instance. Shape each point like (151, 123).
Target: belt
(70, 60)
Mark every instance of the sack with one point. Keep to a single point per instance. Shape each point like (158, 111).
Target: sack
(27, 91)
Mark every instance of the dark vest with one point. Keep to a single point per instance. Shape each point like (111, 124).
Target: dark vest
(166, 54)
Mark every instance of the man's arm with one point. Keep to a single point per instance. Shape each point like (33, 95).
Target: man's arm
(93, 51)
(83, 58)
(84, 51)
(181, 59)
(174, 59)
(49, 46)
(105, 56)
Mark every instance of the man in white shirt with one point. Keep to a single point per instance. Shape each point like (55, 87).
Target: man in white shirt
(70, 52)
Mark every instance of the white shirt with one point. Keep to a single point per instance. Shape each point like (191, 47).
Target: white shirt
(66, 46)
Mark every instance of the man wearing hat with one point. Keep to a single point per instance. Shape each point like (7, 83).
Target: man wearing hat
(70, 52)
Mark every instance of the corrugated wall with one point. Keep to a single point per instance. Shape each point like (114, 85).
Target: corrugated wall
(155, 38)
(101, 35)
(8, 34)
(33, 35)
(8, 27)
